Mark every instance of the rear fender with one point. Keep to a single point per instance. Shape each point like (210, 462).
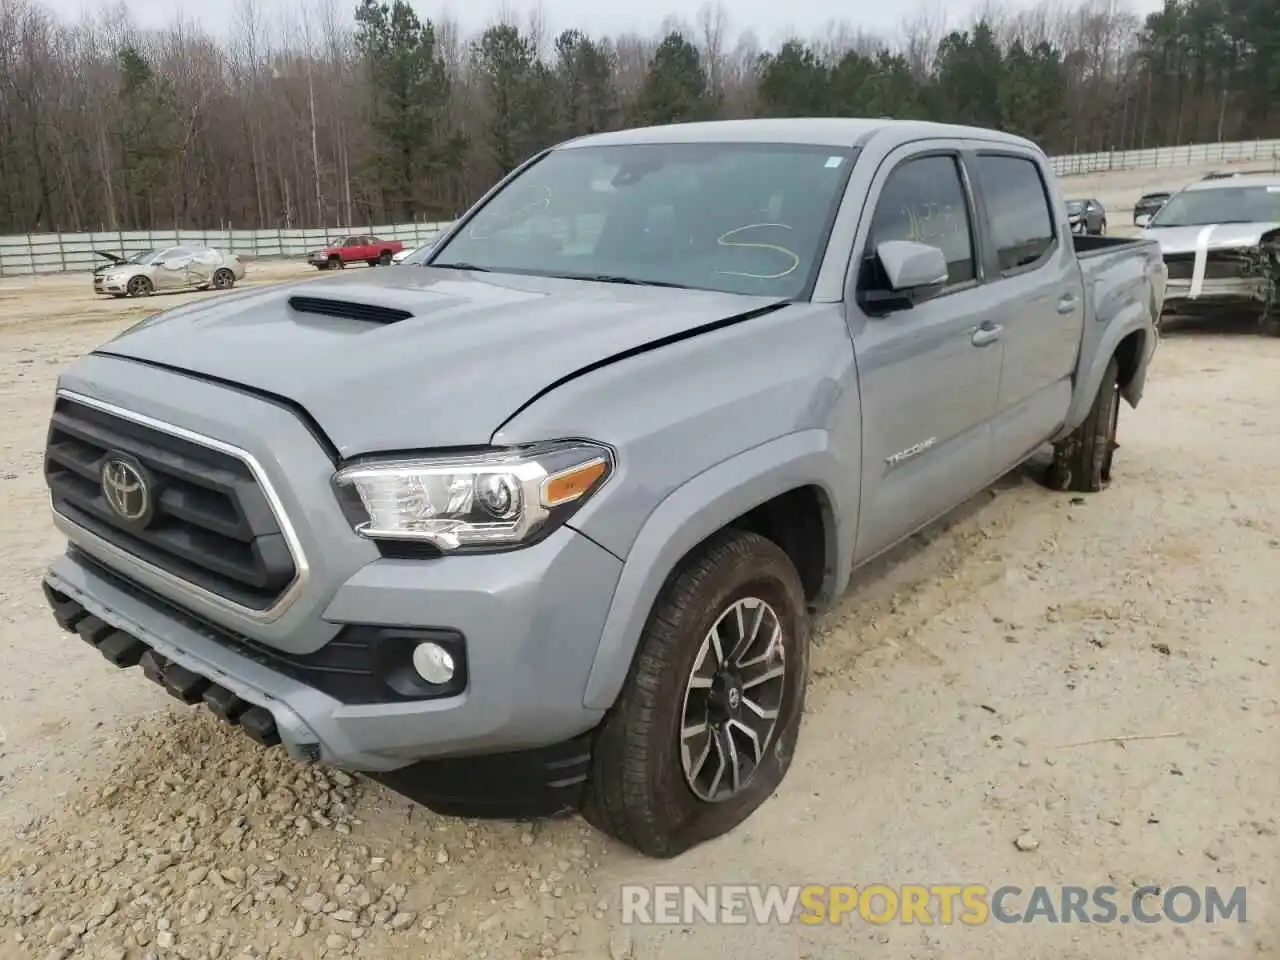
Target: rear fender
(1134, 318)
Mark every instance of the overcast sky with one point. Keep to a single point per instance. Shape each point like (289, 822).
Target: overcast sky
(771, 20)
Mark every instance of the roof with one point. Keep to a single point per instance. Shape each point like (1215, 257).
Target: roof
(1259, 178)
(817, 131)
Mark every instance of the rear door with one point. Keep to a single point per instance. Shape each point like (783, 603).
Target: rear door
(929, 374)
(1036, 295)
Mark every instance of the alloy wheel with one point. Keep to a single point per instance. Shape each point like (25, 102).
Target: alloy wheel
(732, 700)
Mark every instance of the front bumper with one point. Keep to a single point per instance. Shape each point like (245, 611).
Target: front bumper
(102, 286)
(530, 634)
(1216, 294)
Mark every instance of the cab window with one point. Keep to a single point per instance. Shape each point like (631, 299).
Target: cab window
(1022, 221)
(924, 200)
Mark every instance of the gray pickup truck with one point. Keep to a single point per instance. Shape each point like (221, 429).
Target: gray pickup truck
(540, 525)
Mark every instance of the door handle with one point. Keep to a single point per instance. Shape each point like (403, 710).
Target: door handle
(1066, 303)
(985, 335)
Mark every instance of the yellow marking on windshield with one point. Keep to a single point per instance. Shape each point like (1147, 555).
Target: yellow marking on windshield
(516, 217)
(725, 242)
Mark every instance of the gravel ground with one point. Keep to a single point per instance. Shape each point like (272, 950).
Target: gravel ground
(963, 726)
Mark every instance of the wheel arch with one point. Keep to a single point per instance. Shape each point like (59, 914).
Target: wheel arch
(783, 490)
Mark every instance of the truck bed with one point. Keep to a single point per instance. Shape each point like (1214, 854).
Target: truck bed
(1090, 245)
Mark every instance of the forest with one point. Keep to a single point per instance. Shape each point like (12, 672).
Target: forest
(332, 113)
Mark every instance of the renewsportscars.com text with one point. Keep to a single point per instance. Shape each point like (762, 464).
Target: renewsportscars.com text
(944, 904)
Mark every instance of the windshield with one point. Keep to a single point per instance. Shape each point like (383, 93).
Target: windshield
(144, 257)
(1198, 208)
(732, 217)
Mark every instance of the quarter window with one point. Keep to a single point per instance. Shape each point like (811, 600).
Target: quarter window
(924, 200)
(1022, 223)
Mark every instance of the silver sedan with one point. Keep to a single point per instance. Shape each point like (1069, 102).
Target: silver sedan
(170, 269)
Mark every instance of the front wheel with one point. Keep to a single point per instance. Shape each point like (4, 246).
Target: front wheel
(706, 724)
(139, 287)
(1082, 461)
(1102, 229)
(384, 258)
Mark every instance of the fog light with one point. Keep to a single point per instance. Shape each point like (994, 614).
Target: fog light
(433, 663)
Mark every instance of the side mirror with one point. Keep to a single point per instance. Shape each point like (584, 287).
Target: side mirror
(915, 272)
(912, 267)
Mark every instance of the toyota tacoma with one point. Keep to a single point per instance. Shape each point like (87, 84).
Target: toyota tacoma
(541, 524)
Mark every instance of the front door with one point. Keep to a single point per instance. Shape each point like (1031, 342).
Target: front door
(171, 269)
(929, 374)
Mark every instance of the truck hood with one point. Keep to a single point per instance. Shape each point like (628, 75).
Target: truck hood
(443, 358)
(1216, 236)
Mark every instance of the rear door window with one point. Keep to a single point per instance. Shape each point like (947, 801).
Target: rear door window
(1022, 221)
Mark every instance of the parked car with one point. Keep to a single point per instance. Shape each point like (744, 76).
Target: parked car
(1147, 206)
(417, 255)
(357, 248)
(173, 268)
(553, 536)
(1221, 244)
(1087, 216)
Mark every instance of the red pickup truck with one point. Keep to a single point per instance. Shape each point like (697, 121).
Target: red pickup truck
(354, 249)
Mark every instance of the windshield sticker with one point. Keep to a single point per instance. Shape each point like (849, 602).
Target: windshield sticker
(724, 241)
(833, 162)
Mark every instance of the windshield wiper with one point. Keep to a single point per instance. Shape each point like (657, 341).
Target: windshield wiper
(616, 278)
(460, 266)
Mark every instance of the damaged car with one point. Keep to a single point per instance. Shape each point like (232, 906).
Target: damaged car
(1221, 244)
(165, 270)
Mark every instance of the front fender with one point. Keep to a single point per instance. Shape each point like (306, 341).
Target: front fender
(696, 510)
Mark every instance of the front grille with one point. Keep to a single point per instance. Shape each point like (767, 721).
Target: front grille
(212, 525)
(1217, 266)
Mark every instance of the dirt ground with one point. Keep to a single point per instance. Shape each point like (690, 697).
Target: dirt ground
(1095, 678)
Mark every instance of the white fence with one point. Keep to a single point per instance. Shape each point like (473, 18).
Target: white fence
(69, 252)
(1188, 156)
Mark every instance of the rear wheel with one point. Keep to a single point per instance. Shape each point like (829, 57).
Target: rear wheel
(706, 724)
(385, 258)
(224, 279)
(139, 287)
(1082, 461)
(1102, 228)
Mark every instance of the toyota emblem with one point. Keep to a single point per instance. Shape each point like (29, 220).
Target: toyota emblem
(126, 490)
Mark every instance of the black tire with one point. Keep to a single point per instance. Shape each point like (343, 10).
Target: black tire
(1082, 462)
(384, 259)
(1102, 228)
(140, 287)
(335, 263)
(223, 279)
(1269, 322)
(638, 791)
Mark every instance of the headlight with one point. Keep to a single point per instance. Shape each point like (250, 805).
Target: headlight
(495, 499)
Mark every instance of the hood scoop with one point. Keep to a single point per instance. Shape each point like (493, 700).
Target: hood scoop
(348, 310)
